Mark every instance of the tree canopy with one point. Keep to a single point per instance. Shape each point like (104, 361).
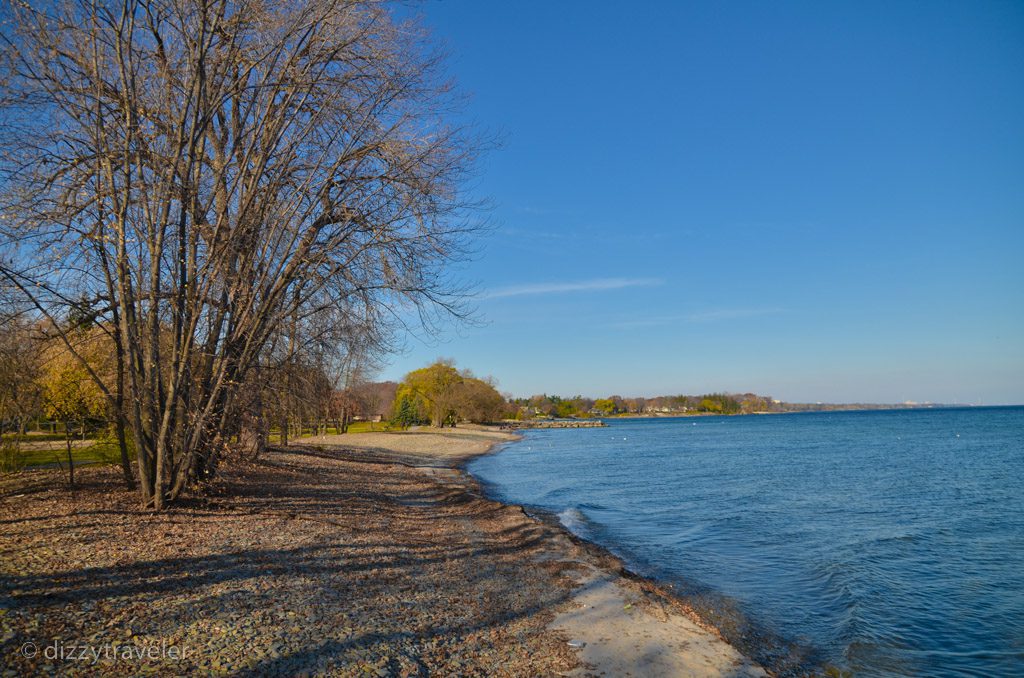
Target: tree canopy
(441, 395)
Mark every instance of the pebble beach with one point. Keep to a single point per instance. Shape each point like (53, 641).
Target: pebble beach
(358, 555)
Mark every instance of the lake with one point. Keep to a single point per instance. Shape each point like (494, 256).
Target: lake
(881, 542)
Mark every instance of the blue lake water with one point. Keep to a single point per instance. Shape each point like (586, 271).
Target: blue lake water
(883, 543)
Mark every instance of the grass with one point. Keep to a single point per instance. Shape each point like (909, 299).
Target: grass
(15, 458)
(355, 427)
(274, 437)
(33, 437)
(100, 452)
(368, 426)
(107, 452)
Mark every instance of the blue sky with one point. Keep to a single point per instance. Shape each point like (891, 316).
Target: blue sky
(817, 201)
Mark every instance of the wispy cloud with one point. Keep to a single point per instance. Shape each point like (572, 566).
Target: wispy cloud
(700, 317)
(596, 285)
(730, 313)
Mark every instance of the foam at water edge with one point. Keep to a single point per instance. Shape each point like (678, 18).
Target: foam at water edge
(574, 521)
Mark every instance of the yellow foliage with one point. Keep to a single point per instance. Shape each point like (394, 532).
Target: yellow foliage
(69, 391)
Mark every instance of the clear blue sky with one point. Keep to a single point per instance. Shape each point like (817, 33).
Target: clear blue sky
(821, 201)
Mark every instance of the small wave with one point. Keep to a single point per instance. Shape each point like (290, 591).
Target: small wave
(574, 521)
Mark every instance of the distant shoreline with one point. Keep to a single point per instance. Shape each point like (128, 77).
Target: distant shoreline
(837, 408)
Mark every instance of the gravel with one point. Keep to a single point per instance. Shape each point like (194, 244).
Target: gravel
(310, 562)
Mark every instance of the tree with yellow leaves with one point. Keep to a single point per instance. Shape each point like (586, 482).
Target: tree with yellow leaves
(70, 396)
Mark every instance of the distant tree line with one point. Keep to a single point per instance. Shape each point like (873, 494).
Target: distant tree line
(578, 406)
(554, 406)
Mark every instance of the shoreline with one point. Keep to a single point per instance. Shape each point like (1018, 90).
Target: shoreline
(763, 649)
(621, 595)
(834, 410)
(363, 554)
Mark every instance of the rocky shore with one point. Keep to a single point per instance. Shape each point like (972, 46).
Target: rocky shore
(557, 423)
(356, 555)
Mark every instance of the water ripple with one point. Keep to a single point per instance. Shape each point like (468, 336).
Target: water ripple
(882, 541)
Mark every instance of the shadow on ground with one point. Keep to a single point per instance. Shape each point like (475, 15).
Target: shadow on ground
(306, 563)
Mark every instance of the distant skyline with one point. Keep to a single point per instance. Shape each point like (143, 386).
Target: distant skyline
(814, 201)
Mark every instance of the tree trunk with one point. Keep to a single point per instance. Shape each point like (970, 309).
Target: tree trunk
(254, 431)
(252, 439)
(126, 462)
(122, 438)
(71, 461)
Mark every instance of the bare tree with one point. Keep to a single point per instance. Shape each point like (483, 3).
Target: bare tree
(375, 399)
(200, 176)
(20, 366)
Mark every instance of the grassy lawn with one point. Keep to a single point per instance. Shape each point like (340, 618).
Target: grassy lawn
(368, 426)
(107, 452)
(97, 452)
(33, 437)
(274, 437)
